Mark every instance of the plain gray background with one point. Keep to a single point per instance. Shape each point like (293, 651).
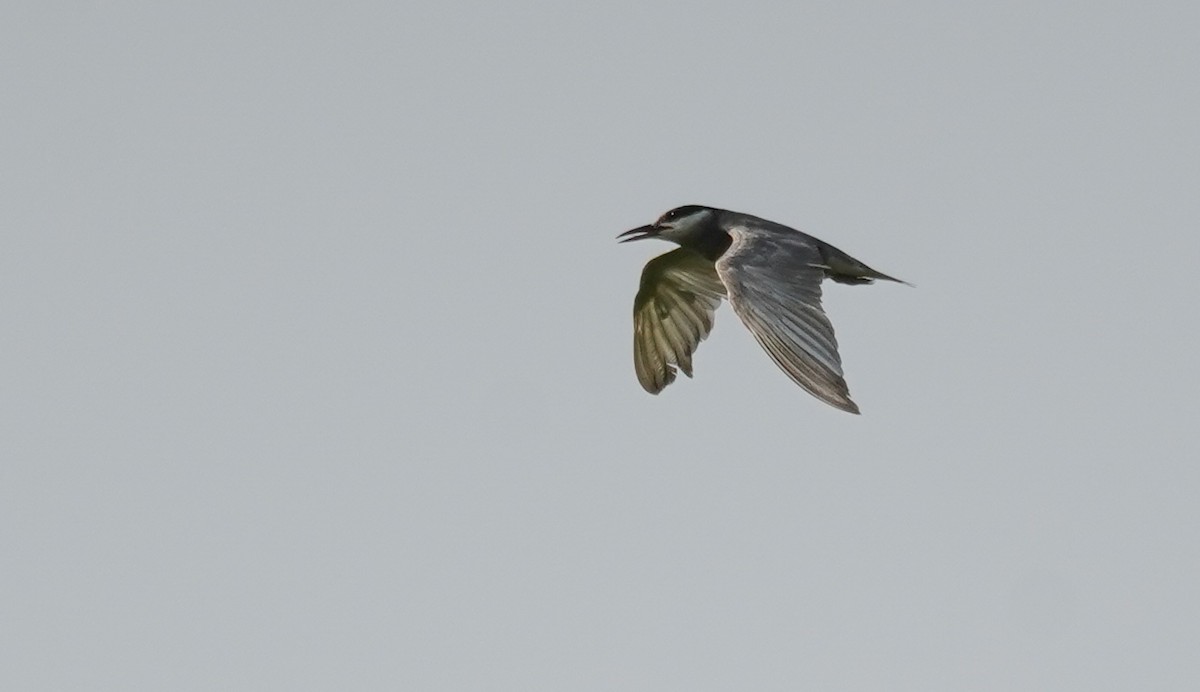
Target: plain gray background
(316, 348)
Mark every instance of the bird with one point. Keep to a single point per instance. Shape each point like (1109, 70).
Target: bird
(771, 275)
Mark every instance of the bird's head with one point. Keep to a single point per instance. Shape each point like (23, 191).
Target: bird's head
(680, 225)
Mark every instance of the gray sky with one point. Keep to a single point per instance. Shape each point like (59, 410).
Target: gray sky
(317, 348)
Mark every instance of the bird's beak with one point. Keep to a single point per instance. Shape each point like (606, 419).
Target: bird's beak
(639, 233)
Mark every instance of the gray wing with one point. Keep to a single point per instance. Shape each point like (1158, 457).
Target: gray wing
(672, 314)
(774, 283)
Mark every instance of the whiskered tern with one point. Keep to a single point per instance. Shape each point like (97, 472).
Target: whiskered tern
(770, 273)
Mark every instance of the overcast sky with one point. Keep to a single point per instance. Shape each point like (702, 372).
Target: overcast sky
(317, 366)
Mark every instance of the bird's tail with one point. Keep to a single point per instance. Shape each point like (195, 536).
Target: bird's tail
(844, 269)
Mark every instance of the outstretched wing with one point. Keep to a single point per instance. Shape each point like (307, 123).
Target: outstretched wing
(774, 284)
(672, 314)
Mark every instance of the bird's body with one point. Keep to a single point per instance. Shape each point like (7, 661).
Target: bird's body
(770, 273)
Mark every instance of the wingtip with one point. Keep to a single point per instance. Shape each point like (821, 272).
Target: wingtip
(839, 400)
(655, 385)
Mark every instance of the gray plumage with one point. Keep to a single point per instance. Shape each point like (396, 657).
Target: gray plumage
(770, 273)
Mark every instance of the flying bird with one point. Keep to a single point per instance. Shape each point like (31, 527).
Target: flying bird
(770, 273)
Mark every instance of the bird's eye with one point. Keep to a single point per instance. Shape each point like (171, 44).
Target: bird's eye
(680, 213)
(670, 216)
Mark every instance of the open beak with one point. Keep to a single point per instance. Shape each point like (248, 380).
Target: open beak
(639, 233)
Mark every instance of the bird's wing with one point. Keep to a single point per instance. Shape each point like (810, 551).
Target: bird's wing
(672, 314)
(773, 278)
